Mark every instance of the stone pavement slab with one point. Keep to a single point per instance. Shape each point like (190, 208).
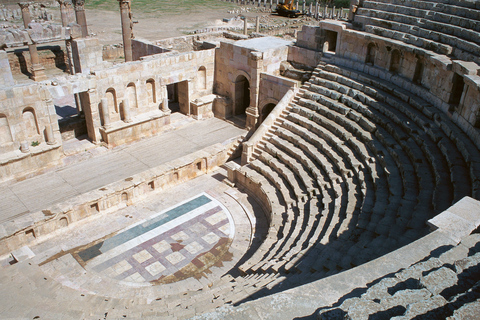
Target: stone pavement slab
(36, 193)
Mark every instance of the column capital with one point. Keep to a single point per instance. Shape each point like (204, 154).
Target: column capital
(24, 5)
(124, 3)
(79, 4)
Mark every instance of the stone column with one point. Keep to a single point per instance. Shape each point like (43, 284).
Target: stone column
(127, 32)
(49, 137)
(80, 15)
(24, 148)
(165, 99)
(245, 26)
(127, 117)
(310, 9)
(65, 8)
(303, 6)
(38, 71)
(105, 113)
(256, 61)
(257, 25)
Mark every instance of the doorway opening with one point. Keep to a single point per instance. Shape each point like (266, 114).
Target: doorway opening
(178, 97)
(457, 90)
(266, 110)
(242, 95)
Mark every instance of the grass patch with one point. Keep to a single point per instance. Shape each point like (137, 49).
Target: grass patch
(160, 7)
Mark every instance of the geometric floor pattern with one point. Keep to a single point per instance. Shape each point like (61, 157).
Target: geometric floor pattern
(174, 244)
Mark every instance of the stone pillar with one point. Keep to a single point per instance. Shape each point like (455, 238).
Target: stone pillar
(245, 27)
(165, 99)
(256, 61)
(80, 15)
(6, 77)
(353, 9)
(316, 10)
(49, 137)
(127, 32)
(296, 5)
(310, 9)
(303, 6)
(24, 148)
(257, 25)
(65, 8)
(126, 111)
(105, 113)
(64, 11)
(38, 71)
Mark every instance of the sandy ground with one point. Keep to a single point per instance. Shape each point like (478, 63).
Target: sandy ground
(107, 27)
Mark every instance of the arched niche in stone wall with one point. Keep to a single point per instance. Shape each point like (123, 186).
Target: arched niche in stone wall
(132, 95)
(30, 122)
(419, 67)
(150, 83)
(371, 53)
(5, 132)
(202, 78)
(111, 96)
(242, 95)
(395, 61)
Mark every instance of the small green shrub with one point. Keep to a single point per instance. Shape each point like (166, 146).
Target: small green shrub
(35, 143)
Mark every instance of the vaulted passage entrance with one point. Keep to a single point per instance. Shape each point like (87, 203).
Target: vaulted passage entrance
(242, 95)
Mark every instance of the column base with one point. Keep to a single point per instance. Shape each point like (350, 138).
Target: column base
(252, 118)
(38, 73)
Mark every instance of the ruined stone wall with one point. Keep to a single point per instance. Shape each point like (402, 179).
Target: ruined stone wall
(51, 57)
(143, 84)
(424, 73)
(87, 53)
(6, 78)
(234, 62)
(272, 90)
(29, 133)
(142, 48)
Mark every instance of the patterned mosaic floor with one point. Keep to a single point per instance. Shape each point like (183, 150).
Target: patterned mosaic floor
(177, 243)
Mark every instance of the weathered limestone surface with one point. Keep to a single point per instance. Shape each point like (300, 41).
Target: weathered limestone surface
(27, 111)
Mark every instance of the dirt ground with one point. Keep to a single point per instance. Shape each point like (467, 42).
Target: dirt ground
(107, 27)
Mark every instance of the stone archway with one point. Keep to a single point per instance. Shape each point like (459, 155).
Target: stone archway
(242, 95)
(266, 109)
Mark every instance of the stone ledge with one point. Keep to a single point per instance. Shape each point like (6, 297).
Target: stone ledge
(18, 232)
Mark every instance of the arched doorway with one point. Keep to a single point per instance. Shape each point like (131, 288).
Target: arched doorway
(267, 109)
(371, 53)
(242, 95)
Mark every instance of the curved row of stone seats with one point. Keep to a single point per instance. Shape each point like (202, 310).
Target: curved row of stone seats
(450, 154)
(445, 284)
(308, 265)
(304, 185)
(451, 140)
(414, 150)
(396, 162)
(410, 8)
(49, 298)
(442, 33)
(461, 8)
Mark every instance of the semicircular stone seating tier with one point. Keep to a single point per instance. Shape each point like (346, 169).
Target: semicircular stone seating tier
(354, 168)
(445, 27)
